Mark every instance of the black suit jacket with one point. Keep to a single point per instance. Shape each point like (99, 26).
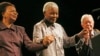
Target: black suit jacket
(94, 48)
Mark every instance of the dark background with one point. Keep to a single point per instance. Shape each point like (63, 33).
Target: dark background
(30, 12)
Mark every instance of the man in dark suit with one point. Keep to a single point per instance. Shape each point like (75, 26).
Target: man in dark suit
(90, 37)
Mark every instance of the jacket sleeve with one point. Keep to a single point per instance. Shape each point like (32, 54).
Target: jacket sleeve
(70, 41)
(28, 43)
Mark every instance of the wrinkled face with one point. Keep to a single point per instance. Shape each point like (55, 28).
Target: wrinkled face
(87, 24)
(51, 14)
(10, 13)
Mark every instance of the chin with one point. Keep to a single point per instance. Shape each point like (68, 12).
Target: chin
(52, 22)
(12, 21)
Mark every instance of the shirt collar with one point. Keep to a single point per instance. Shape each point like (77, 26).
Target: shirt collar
(2, 27)
(48, 24)
(92, 32)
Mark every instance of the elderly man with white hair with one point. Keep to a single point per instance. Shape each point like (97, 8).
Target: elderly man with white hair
(50, 28)
(90, 37)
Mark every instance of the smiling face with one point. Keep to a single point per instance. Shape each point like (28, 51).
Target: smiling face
(87, 23)
(51, 13)
(10, 14)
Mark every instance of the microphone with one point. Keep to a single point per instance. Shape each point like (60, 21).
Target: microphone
(96, 12)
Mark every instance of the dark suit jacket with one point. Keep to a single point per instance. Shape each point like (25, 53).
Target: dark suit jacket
(94, 47)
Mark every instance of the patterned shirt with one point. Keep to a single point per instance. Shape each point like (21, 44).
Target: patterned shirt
(42, 29)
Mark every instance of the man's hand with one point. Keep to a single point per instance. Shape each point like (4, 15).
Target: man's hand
(85, 34)
(48, 40)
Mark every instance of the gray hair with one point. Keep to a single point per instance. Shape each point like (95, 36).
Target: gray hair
(48, 5)
(87, 15)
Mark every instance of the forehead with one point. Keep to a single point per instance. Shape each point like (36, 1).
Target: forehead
(10, 7)
(52, 9)
(87, 18)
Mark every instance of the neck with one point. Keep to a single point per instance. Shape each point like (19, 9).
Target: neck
(6, 23)
(47, 22)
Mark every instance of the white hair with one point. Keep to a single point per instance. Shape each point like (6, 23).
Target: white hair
(48, 5)
(87, 15)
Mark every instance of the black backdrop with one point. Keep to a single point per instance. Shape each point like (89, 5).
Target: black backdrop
(30, 12)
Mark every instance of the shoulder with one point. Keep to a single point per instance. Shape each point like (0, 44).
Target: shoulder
(57, 24)
(96, 30)
(39, 23)
(19, 27)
